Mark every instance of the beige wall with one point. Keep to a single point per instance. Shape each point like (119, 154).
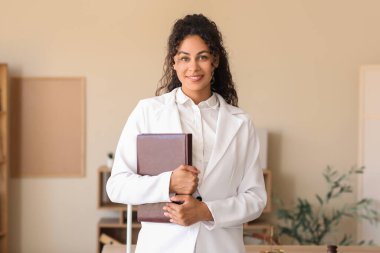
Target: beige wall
(295, 64)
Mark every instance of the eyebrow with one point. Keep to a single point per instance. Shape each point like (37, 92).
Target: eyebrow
(201, 52)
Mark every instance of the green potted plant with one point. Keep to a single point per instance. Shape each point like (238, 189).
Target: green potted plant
(109, 160)
(309, 223)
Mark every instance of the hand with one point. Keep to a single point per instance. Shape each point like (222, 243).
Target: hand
(184, 180)
(188, 213)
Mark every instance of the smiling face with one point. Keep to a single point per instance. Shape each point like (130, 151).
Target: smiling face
(194, 65)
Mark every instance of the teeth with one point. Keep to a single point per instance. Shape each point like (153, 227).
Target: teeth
(194, 78)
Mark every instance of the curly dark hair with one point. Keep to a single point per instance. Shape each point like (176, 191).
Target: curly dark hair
(197, 24)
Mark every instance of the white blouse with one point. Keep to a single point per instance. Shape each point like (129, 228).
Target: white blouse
(199, 120)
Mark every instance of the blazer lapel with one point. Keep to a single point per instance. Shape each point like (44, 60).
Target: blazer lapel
(167, 118)
(227, 127)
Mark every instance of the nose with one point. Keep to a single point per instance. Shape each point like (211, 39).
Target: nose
(193, 65)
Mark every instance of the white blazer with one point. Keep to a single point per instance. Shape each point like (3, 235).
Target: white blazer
(232, 187)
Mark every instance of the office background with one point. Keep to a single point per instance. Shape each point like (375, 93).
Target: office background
(296, 65)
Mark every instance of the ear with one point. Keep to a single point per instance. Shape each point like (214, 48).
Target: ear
(215, 63)
(174, 66)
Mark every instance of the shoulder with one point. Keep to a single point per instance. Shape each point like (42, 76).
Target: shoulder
(233, 110)
(158, 101)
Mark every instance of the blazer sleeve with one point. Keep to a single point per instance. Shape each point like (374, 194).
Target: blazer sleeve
(125, 185)
(251, 197)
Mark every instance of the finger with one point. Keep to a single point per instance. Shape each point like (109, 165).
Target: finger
(173, 218)
(181, 167)
(169, 215)
(177, 220)
(171, 207)
(192, 169)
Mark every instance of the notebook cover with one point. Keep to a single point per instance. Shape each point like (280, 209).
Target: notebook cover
(158, 153)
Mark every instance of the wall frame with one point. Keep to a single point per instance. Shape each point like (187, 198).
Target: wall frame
(47, 127)
(369, 144)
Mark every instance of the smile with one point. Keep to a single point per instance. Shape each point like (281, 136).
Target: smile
(195, 78)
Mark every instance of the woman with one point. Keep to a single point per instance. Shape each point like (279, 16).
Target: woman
(199, 98)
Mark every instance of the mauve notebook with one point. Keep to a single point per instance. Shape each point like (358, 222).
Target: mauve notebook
(158, 153)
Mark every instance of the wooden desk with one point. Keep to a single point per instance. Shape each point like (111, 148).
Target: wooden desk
(287, 248)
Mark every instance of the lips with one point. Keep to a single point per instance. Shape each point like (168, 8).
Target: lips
(195, 77)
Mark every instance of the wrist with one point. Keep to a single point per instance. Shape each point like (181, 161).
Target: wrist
(207, 215)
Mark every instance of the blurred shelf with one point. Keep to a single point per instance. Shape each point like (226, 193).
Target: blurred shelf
(115, 223)
(4, 165)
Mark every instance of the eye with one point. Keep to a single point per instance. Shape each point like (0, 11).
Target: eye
(203, 57)
(184, 59)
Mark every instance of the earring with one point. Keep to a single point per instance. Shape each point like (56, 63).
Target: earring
(212, 79)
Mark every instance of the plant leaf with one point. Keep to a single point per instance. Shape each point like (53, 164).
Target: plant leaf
(320, 200)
